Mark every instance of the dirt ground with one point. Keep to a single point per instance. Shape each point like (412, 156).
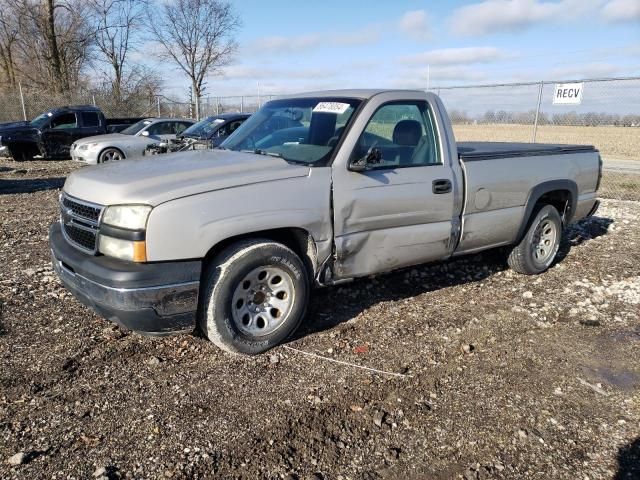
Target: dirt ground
(489, 374)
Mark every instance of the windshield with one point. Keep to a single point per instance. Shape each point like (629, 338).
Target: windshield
(301, 130)
(40, 120)
(136, 127)
(204, 128)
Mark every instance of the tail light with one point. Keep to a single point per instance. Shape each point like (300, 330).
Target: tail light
(599, 172)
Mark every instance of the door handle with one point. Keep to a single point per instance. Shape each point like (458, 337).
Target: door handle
(442, 186)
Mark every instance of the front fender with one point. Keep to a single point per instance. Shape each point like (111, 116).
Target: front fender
(189, 227)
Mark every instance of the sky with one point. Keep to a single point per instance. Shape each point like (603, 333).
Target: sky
(293, 46)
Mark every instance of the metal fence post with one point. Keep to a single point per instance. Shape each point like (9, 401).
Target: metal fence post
(24, 110)
(242, 104)
(158, 101)
(217, 105)
(535, 120)
(93, 98)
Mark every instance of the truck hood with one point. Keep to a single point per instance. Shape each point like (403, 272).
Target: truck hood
(10, 125)
(159, 178)
(16, 128)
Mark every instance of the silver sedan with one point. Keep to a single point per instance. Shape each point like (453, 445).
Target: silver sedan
(129, 143)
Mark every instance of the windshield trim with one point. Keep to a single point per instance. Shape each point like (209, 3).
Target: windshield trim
(345, 133)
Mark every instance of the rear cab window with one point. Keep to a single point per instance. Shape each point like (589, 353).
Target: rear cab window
(90, 119)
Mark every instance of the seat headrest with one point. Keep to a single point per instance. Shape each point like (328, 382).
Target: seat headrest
(407, 132)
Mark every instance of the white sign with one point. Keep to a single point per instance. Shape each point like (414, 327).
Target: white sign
(331, 107)
(568, 94)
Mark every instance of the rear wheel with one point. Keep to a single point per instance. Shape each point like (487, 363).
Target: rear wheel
(110, 155)
(254, 295)
(537, 250)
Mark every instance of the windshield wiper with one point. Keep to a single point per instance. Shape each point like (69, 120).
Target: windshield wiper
(259, 151)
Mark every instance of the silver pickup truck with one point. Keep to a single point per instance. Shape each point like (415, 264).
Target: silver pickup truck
(312, 190)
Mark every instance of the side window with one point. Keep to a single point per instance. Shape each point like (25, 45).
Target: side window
(233, 126)
(64, 120)
(161, 128)
(90, 119)
(180, 127)
(228, 129)
(404, 133)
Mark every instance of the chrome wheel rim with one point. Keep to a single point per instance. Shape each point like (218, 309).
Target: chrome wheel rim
(545, 241)
(262, 301)
(111, 156)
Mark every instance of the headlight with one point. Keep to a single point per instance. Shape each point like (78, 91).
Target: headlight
(132, 217)
(133, 251)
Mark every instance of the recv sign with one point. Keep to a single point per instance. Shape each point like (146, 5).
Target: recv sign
(568, 94)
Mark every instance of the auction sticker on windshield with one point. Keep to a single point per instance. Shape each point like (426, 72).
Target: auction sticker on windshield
(331, 107)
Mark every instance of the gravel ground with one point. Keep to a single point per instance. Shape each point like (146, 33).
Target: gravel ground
(489, 374)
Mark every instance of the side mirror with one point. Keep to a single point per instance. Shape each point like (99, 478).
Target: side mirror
(145, 133)
(373, 157)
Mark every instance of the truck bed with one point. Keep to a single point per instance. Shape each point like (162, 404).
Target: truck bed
(470, 151)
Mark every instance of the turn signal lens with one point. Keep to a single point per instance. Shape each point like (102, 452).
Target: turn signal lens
(133, 251)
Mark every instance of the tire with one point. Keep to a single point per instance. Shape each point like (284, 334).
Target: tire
(110, 155)
(537, 250)
(21, 153)
(254, 296)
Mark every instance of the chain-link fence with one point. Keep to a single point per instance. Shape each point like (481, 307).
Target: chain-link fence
(18, 105)
(608, 117)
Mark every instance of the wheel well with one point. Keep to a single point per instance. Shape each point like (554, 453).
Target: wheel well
(297, 239)
(560, 199)
(562, 194)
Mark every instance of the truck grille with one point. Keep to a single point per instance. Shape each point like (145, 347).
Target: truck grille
(80, 222)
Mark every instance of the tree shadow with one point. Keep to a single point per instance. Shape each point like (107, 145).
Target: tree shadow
(329, 307)
(629, 461)
(30, 185)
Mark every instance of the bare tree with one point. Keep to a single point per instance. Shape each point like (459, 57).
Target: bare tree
(116, 23)
(198, 35)
(8, 37)
(53, 42)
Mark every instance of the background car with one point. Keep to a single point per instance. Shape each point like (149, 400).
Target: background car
(208, 133)
(130, 142)
(215, 128)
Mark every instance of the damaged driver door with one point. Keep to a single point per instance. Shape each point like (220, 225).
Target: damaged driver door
(394, 195)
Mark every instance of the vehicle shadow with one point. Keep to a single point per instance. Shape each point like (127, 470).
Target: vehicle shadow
(30, 185)
(584, 230)
(332, 306)
(629, 461)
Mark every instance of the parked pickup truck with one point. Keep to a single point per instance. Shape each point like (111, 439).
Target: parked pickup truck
(232, 240)
(51, 134)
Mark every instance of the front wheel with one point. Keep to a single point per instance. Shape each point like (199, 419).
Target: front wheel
(110, 155)
(537, 250)
(254, 296)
